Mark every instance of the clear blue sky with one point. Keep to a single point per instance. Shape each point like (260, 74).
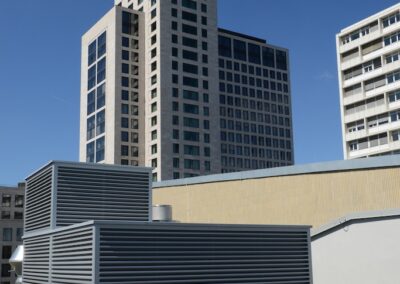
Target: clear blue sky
(40, 72)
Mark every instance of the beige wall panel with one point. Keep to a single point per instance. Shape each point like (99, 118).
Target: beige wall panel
(311, 199)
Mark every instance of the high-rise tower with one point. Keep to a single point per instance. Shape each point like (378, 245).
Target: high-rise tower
(162, 86)
(369, 75)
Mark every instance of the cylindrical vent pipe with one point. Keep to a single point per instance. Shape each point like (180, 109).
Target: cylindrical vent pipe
(162, 213)
(16, 262)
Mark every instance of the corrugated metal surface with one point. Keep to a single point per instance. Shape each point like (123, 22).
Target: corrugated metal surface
(185, 253)
(36, 260)
(72, 256)
(38, 200)
(85, 194)
(284, 199)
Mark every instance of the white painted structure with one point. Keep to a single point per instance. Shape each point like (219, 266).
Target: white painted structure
(368, 54)
(360, 248)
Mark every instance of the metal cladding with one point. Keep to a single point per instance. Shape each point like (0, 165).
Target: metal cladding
(139, 252)
(63, 193)
(162, 213)
(110, 249)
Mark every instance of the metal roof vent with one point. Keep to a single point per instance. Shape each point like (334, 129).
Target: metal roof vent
(16, 262)
(162, 213)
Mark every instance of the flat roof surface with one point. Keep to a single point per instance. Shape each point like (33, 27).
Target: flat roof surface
(260, 40)
(109, 167)
(367, 20)
(391, 161)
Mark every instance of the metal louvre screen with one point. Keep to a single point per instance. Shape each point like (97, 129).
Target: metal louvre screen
(36, 260)
(85, 194)
(203, 254)
(72, 256)
(38, 200)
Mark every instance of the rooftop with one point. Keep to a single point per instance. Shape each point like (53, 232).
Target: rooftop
(242, 35)
(354, 218)
(368, 20)
(325, 167)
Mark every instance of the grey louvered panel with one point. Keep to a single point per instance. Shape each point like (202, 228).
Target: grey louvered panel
(96, 194)
(72, 256)
(183, 253)
(36, 260)
(38, 200)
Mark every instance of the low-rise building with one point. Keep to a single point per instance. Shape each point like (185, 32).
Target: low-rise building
(312, 194)
(11, 226)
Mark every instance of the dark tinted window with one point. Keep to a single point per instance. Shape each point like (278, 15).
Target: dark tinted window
(268, 57)
(254, 53)
(129, 23)
(239, 50)
(281, 61)
(225, 46)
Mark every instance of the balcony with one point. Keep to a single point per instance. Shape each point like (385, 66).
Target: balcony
(374, 32)
(366, 111)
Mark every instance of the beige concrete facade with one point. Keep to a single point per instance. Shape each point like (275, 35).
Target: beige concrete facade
(314, 196)
(110, 25)
(201, 110)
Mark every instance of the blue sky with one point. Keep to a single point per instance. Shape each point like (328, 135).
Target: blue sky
(40, 72)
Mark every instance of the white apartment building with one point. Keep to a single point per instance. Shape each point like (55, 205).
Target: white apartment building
(163, 87)
(368, 54)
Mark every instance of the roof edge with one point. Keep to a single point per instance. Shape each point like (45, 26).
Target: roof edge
(353, 217)
(325, 167)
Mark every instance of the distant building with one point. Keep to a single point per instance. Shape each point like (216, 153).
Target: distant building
(368, 54)
(163, 87)
(11, 226)
(358, 248)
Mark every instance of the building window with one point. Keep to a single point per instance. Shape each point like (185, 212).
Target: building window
(101, 70)
(100, 149)
(391, 19)
(175, 163)
(101, 96)
(192, 164)
(190, 95)
(388, 40)
(154, 149)
(5, 215)
(92, 53)
(189, 4)
(19, 201)
(239, 50)
(189, 16)
(7, 234)
(124, 150)
(394, 96)
(134, 137)
(190, 42)
(6, 252)
(189, 29)
(100, 122)
(90, 152)
(101, 45)
(130, 23)
(20, 232)
(5, 270)
(6, 200)
(191, 150)
(91, 102)
(18, 215)
(91, 77)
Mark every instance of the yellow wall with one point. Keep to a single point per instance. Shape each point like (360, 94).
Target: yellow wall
(310, 199)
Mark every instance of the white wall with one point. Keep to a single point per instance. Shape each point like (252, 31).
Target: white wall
(362, 253)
